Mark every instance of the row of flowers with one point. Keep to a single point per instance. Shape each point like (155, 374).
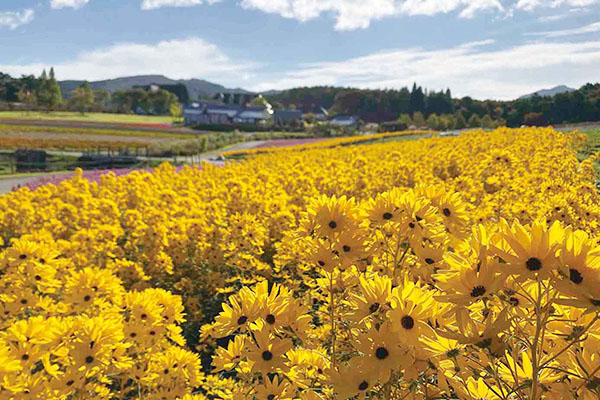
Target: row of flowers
(462, 267)
(322, 144)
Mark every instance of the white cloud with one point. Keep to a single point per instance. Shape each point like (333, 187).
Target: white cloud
(186, 58)
(530, 5)
(153, 4)
(350, 14)
(469, 69)
(358, 14)
(14, 19)
(552, 18)
(355, 14)
(68, 3)
(591, 28)
(467, 8)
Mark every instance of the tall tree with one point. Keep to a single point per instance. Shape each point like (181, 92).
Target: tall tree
(417, 100)
(82, 99)
(43, 93)
(55, 93)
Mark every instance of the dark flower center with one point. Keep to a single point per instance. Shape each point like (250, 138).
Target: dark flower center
(575, 276)
(478, 291)
(242, 320)
(364, 385)
(270, 319)
(374, 307)
(429, 260)
(407, 322)
(267, 355)
(346, 248)
(452, 353)
(87, 297)
(446, 212)
(533, 264)
(382, 353)
(594, 384)
(387, 215)
(332, 224)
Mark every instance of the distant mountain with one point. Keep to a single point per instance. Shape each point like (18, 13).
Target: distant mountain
(549, 92)
(196, 87)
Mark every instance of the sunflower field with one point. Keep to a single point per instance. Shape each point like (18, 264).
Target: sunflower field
(441, 268)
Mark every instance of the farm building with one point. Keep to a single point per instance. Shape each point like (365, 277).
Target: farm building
(288, 117)
(208, 113)
(345, 120)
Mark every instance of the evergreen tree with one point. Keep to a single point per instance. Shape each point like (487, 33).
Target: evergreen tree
(43, 93)
(417, 100)
(55, 98)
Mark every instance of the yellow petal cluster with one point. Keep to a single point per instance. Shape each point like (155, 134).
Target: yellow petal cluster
(461, 268)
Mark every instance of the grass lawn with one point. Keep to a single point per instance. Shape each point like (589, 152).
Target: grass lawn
(89, 117)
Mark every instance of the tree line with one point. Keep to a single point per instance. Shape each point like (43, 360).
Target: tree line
(417, 105)
(43, 93)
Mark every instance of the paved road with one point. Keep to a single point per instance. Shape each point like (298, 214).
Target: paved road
(6, 185)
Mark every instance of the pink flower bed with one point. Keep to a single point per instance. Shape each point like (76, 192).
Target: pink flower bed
(92, 176)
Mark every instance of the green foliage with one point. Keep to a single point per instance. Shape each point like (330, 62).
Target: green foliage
(157, 102)
(27, 97)
(418, 119)
(474, 121)
(49, 95)
(405, 119)
(433, 121)
(461, 122)
(487, 122)
(82, 99)
(176, 112)
(388, 105)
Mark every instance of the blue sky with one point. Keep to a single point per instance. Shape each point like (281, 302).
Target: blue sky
(482, 48)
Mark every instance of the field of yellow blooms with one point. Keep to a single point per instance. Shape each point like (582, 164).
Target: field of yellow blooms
(440, 268)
